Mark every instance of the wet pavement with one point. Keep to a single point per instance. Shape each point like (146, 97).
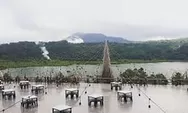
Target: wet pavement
(172, 99)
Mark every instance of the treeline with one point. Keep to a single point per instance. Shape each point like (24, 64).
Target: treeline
(118, 51)
(129, 76)
(58, 79)
(20, 51)
(139, 76)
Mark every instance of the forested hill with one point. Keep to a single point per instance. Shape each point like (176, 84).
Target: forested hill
(158, 50)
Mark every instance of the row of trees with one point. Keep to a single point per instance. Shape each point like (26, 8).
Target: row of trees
(139, 76)
(179, 78)
(58, 79)
(129, 76)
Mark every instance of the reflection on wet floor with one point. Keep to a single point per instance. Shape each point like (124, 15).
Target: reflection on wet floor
(125, 105)
(172, 99)
(71, 102)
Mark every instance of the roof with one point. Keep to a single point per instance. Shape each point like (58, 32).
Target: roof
(24, 81)
(38, 85)
(8, 90)
(95, 95)
(124, 91)
(72, 89)
(61, 107)
(115, 82)
(29, 97)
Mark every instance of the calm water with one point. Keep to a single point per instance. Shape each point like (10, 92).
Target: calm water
(172, 99)
(167, 68)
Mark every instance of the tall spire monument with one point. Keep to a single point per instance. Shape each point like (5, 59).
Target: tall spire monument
(107, 72)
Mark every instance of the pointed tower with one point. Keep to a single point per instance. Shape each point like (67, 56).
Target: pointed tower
(106, 73)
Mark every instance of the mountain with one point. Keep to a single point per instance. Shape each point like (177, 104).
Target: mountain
(96, 38)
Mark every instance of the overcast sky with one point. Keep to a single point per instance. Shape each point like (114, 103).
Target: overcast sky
(46, 20)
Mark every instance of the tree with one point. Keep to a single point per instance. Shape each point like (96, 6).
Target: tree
(7, 77)
(177, 78)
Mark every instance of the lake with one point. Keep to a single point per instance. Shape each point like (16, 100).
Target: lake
(167, 68)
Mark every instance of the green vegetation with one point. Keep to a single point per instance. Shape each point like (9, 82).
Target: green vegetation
(4, 64)
(24, 54)
(37, 63)
(58, 79)
(7, 77)
(139, 76)
(179, 78)
(129, 76)
(157, 79)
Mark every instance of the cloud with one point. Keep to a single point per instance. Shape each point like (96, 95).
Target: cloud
(45, 52)
(75, 39)
(45, 20)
